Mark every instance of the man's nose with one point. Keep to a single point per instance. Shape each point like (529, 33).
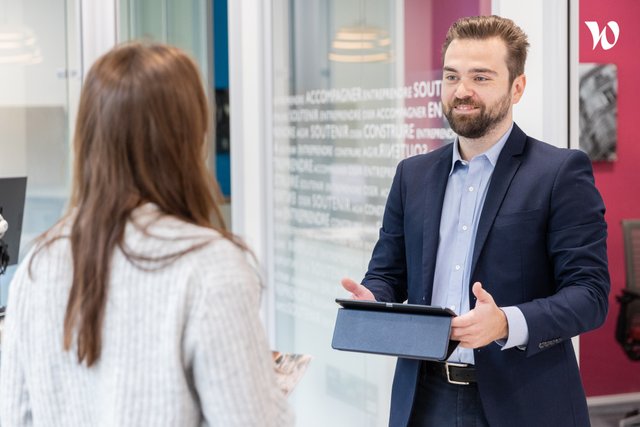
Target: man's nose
(462, 91)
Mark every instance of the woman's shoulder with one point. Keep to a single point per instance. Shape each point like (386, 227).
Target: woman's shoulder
(206, 250)
(152, 228)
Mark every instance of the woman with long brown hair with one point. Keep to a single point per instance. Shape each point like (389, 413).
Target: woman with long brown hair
(137, 308)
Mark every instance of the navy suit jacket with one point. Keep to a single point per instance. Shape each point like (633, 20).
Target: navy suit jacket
(540, 246)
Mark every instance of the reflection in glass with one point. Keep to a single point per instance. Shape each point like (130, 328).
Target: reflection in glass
(361, 44)
(19, 45)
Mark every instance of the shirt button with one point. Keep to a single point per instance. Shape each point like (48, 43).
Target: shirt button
(457, 267)
(471, 188)
(464, 228)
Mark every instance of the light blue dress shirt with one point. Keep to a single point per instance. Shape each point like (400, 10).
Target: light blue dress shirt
(463, 201)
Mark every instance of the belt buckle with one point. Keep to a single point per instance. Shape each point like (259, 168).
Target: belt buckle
(457, 365)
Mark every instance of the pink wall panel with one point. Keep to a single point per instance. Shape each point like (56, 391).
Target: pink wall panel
(605, 369)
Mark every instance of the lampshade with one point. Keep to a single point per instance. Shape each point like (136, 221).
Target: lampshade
(361, 44)
(18, 45)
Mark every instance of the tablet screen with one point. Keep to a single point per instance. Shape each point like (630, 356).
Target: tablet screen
(395, 307)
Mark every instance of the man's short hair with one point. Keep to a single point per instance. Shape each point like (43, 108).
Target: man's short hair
(485, 27)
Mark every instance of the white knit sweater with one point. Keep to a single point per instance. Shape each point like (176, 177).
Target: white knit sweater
(182, 345)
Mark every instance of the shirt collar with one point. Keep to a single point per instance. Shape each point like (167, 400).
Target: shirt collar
(491, 154)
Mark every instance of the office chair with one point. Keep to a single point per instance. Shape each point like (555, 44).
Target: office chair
(628, 326)
(631, 233)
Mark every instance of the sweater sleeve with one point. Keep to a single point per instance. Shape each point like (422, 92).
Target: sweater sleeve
(15, 406)
(227, 350)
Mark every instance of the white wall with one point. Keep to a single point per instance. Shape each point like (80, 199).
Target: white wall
(543, 111)
(250, 111)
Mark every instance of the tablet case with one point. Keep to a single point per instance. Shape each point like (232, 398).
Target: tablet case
(408, 335)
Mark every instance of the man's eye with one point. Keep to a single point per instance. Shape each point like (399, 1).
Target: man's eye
(481, 78)
(451, 78)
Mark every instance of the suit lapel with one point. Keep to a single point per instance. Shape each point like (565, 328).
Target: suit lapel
(506, 167)
(435, 185)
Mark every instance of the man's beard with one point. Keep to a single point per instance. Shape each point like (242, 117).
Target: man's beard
(475, 126)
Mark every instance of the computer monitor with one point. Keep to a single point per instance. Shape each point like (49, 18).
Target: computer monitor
(12, 196)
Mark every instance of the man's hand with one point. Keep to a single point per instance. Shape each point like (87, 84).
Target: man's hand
(357, 290)
(482, 325)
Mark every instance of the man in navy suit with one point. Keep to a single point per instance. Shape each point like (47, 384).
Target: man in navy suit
(507, 231)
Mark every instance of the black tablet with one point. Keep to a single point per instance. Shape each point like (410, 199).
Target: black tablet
(395, 307)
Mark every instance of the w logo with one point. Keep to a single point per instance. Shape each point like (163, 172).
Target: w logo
(601, 37)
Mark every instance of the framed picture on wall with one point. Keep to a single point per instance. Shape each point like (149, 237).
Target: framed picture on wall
(599, 110)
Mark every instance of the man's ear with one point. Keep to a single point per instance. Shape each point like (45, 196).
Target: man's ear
(517, 88)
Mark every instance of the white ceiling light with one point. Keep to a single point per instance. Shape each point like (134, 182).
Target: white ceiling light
(18, 45)
(361, 44)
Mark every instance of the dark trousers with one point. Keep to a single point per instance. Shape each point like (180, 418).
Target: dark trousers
(440, 404)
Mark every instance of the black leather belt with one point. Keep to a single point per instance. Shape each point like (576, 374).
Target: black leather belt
(453, 373)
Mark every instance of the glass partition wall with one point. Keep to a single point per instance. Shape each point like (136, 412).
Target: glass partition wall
(41, 76)
(181, 23)
(187, 24)
(39, 83)
(356, 88)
